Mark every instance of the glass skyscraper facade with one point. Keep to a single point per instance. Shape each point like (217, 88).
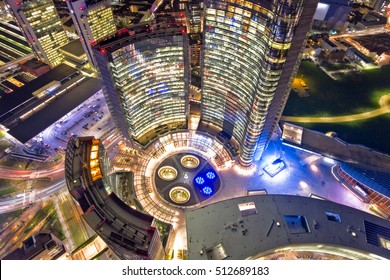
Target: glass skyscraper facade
(249, 57)
(247, 45)
(145, 75)
(41, 25)
(94, 21)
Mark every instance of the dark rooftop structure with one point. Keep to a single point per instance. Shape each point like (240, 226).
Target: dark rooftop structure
(27, 129)
(329, 42)
(74, 47)
(361, 55)
(336, 148)
(68, 23)
(371, 19)
(254, 227)
(43, 246)
(23, 94)
(34, 63)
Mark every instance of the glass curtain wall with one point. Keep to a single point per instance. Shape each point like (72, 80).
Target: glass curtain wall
(245, 47)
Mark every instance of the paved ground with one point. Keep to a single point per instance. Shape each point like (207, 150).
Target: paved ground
(305, 174)
(339, 119)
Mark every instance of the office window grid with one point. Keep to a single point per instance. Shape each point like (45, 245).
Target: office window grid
(101, 22)
(245, 47)
(151, 79)
(45, 24)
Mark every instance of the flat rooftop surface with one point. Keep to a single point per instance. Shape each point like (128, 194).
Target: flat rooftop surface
(74, 48)
(10, 101)
(223, 230)
(38, 122)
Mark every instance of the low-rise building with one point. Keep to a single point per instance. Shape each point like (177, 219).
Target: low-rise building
(327, 45)
(42, 246)
(284, 227)
(359, 58)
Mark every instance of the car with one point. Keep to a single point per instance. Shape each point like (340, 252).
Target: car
(99, 128)
(47, 146)
(63, 133)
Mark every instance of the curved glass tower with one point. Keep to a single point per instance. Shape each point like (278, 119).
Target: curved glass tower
(251, 54)
(145, 74)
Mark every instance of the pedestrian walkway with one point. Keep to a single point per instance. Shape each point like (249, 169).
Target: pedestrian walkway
(384, 109)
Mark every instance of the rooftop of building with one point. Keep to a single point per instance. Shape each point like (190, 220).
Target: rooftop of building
(254, 226)
(32, 126)
(138, 32)
(340, 150)
(35, 245)
(329, 42)
(34, 64)
(74, 48)
(24, 93)
(68, 22)
(374, 179)
(361, 55)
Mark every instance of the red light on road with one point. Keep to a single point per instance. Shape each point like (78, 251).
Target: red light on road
(103, 51)
(81, 8)
(18, 3)
(183, 31)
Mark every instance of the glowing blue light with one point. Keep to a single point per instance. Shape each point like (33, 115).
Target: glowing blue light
(207, 190)
(210, 175)
(199, 180)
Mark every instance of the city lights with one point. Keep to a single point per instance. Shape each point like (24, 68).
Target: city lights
(180, 142)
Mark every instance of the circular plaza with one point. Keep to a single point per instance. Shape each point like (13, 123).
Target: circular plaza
(179, 171)
(186, 179)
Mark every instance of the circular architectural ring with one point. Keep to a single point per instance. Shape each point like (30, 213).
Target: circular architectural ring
(167, 173)
(179, 195)
(189, 161)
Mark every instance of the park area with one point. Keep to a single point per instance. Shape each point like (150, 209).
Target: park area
(356, 107)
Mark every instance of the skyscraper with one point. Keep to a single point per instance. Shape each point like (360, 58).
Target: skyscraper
(251, 54)
(145, 75)
(41, 25)
(93, 20)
